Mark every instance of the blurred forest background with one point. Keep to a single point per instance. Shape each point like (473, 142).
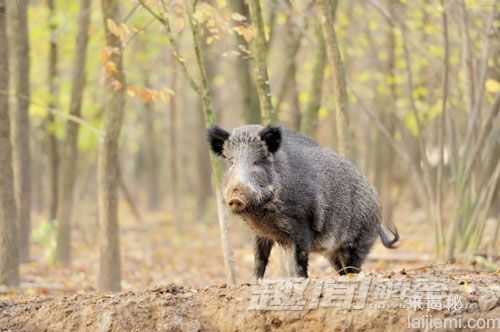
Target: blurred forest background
(105, 174)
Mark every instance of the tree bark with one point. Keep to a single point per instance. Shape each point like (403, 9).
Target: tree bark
(207, 103)
(70, 152)
(9, 255)
(439, 226)
(203, 90)
(309, 121)
(259, 55)
(173, 171)
(251, 110)
(109, 275)
(203, 155)
(21, 125)
(204, 174)
(152, 161)
(384, 156)
(53, 155)
(293, 41)
(339, 84)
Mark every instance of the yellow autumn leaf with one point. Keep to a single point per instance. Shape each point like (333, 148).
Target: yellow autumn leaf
(322, 113)
(248, 33)
(110, 67)
(179, 23)
(281, 18)
(116, 85)
(492, 86)
(125, 31)
(132, 91)
(238, 17)
(304, 97)
(105, 54)
(113, 27)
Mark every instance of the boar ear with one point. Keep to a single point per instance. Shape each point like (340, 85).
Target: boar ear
(216, 137)
(272, 137)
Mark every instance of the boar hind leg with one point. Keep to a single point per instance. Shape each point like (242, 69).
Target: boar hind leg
(301, 259)
(301, 243)
(347, 260)
(262, 251)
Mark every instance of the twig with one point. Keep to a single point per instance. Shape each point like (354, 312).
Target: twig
(471, 162)
(173, 43)
(131, 12)
(410, 88)
(128, 198)
(292, 54)
(483, 64)
(394, 144)
(272, 22)
(442, 133)
(56, 111)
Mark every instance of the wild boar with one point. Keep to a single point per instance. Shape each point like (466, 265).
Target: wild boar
(293, 192)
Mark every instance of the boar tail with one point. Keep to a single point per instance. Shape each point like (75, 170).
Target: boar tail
(386, 240)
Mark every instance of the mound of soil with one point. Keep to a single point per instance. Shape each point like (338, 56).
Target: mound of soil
(368, 302)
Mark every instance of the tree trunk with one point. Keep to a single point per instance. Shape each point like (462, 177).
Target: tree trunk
(384, 156)
(259, 54)
(264, 91)
(70, 154)
(309, 122)
(204, 190)
(203, 90)
(21, 124)
(152, 161)
(251, 111)
(174, 192)
(344, 139)
(207, 103)
(109, 275)
(53, 155)
(293, 41)
(9, 259)
(203, 156)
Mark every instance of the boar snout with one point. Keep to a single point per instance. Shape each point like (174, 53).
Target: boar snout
(237, 200)
(237, 205)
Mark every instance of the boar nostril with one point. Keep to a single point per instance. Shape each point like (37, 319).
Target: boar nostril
(236, 204)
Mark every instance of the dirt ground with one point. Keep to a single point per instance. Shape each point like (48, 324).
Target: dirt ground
(173, 280)
(293, 305)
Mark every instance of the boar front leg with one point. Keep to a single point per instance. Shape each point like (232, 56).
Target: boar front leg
(301, 246)
(262, 251)
(301, 259)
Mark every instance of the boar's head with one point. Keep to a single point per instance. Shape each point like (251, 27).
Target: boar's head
(250, 181)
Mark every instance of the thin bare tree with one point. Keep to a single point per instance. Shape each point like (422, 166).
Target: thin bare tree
(9, 255)
(259, 56)
(151, 153)
(328, 8)
(310, 117)
(203, 90)
(251, 112)
(109, 275)
(70, 152)
(21, 123)
(53, 149)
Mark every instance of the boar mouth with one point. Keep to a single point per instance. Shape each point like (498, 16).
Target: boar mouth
(263, 202)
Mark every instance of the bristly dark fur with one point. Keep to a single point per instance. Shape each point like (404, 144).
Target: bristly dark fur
(216, 137)
(301, 196)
